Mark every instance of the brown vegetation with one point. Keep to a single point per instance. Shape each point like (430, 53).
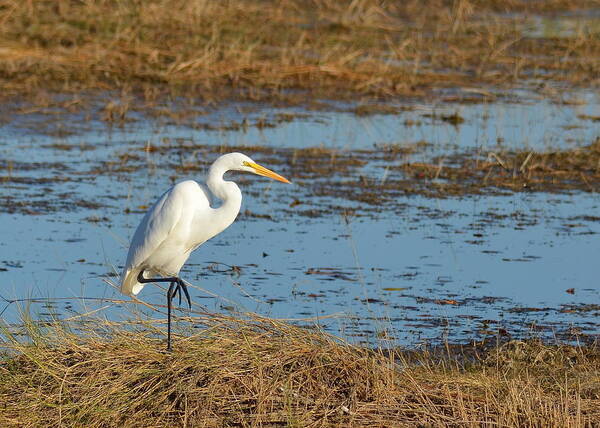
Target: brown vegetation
(553, 171)
(258, 49)
(265, 373)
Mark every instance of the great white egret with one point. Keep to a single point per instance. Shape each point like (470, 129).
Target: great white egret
(181, 220)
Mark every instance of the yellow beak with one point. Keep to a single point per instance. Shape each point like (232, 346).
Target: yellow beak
(261, 170)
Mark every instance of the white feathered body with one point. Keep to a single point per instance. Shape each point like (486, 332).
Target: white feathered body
(183, 218)
(180, 221)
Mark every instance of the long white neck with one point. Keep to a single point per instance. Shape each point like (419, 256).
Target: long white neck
(228, 192)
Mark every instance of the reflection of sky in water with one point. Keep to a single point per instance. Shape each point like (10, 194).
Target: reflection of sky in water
(515, 125)
(539, 125)
(351, 263)
(485, 126)
(567, 25)
(525, 249)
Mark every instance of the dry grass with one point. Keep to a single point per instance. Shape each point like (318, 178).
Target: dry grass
(265, 373)
(259, 49)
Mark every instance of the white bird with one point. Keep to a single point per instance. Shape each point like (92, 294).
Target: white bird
(181, 220)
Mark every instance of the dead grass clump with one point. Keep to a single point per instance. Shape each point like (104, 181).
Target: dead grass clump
(265, 373)
(317, 162)
(555, 171)
(233, 373)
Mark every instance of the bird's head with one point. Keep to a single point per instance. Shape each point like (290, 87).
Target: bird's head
(241, 162)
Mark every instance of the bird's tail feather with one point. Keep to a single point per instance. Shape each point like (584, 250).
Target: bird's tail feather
(129, 283)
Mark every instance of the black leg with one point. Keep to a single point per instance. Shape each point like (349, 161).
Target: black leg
(170, 294)
(177, 286)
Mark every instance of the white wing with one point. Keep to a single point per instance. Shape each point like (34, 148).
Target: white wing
(155, 229)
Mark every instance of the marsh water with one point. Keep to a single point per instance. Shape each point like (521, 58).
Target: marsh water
(406, 271)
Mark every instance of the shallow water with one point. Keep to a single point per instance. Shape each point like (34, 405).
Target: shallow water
(408, 272)
(568, 25)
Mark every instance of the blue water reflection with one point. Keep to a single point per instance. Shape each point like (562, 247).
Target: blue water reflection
(426, 269)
